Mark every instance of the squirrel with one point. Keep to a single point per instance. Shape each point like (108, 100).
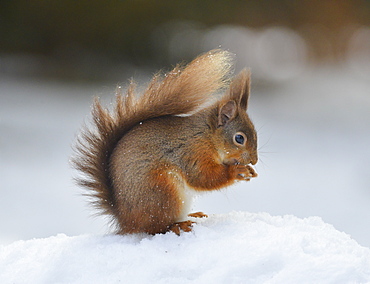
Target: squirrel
(143, 161)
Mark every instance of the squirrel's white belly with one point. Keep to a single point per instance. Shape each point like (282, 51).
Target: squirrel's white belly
(187, 195)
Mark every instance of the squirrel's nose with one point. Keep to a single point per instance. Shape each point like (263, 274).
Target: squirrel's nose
(254, 159)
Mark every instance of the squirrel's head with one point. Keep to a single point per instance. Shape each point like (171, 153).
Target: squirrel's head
(236, 130)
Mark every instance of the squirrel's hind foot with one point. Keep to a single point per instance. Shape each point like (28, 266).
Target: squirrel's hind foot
(185, 226)
(198, 215)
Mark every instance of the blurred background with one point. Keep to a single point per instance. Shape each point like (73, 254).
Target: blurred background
(310, 63)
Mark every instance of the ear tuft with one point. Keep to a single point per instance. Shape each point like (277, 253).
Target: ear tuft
(240, 88)
(227, 112)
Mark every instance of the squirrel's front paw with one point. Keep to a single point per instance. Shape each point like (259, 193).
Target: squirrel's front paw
(245, 172)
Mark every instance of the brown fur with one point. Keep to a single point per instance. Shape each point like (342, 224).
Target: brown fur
(139, 160)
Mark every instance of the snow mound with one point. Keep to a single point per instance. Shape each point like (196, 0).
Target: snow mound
(238, 247)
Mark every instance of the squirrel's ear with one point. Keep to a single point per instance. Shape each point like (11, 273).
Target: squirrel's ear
(240, 88)
(227, 112)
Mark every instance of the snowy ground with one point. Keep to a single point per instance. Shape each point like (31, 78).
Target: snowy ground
(314, 157)
(232, 248)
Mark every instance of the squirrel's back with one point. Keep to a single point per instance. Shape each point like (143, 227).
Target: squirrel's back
(181, 91)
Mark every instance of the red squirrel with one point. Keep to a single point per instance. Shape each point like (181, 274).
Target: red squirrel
(143, 161)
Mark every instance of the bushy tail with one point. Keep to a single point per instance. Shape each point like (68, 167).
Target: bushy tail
(180, 91)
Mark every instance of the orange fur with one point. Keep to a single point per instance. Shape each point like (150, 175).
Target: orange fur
(141, 159)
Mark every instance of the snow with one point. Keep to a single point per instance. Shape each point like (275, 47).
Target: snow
(314, 161)
(238, 247)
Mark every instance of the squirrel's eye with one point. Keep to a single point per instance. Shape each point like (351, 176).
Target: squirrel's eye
(239, 138)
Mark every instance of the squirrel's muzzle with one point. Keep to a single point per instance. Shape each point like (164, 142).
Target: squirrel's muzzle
(253, 158)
